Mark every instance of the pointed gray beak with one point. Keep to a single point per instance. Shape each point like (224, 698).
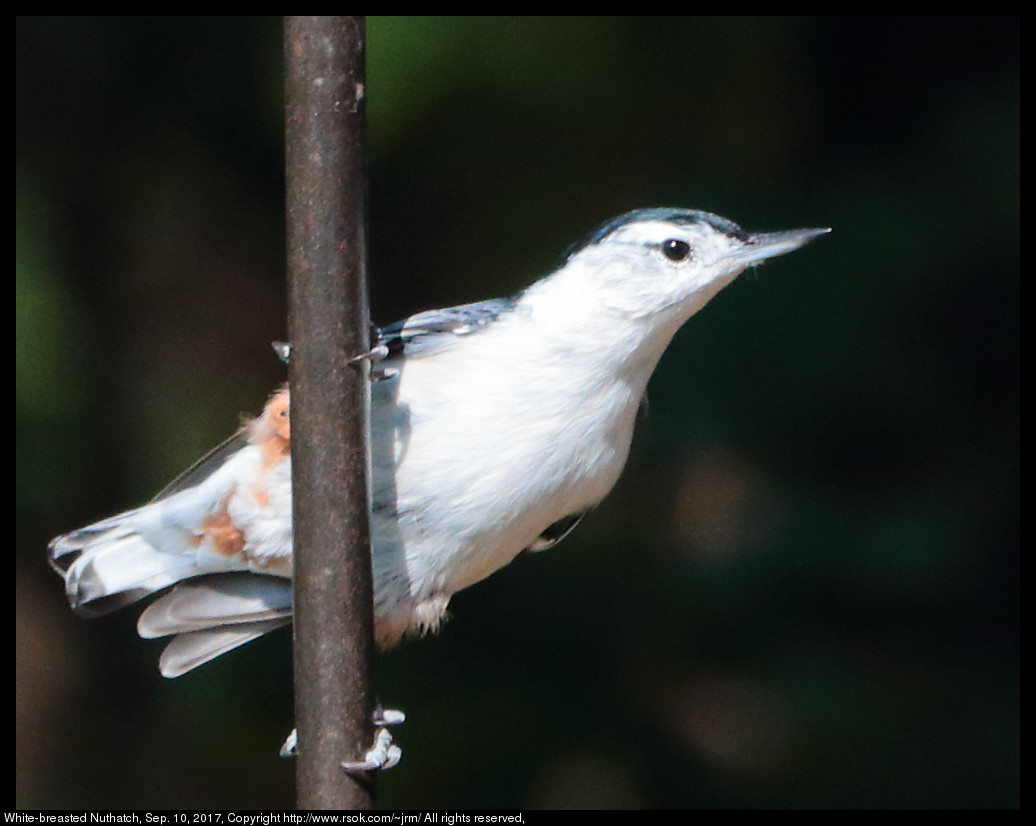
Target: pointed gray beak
(763, 245)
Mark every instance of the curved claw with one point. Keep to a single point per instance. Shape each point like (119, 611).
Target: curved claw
(388, 716)
(374, 355)
(282, 349)
(290, 747)
(384, 754)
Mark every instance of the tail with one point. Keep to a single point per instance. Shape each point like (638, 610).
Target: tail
(229, 587)
(213, 608)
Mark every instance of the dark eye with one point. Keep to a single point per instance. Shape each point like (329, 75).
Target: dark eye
(676, 250)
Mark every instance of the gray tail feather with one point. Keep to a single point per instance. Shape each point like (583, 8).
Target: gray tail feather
(106, 568)
(120, 560)
(193, 648)
(211, 615)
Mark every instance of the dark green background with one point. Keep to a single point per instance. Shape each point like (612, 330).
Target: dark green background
(803, 591)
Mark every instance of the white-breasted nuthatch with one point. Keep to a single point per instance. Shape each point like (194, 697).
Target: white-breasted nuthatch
(495, 427)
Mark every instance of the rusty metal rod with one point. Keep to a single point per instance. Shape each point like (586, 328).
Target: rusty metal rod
(329, 324)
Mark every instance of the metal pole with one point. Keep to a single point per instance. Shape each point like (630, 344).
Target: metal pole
(330, 398)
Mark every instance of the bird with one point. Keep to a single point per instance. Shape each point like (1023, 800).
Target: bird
(495, 427)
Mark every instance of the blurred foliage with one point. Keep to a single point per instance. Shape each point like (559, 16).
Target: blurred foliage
(804, 590)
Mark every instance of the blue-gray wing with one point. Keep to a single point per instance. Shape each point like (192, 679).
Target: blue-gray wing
(425, 332)
(434, 328)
